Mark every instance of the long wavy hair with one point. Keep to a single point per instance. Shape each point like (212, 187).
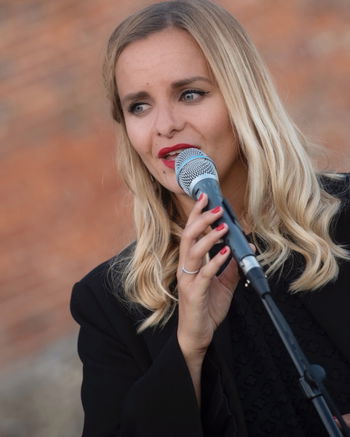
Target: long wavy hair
(287, 208)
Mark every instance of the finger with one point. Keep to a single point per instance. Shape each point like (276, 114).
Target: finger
(199, 222)
(252, 247)
(346, 418)
(209, 270)
(195, 244)
(200, 249)
(198, 207)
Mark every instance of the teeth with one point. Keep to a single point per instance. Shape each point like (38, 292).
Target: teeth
(171, 154)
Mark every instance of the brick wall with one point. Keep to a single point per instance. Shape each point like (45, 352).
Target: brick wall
(63, 207)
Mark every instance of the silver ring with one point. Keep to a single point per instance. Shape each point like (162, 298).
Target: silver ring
(188, 271)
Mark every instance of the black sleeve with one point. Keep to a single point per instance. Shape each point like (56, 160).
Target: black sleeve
(124, 392)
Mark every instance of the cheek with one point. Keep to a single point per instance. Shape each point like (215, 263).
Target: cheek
(136, 137)
(219, 122)
(224, 123)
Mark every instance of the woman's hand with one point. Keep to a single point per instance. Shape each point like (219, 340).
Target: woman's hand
(204, 299)
(346, 418)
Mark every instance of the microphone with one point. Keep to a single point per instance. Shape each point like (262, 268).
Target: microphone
(196, 173)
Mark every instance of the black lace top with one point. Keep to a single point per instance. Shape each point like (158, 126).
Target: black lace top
(267, 381)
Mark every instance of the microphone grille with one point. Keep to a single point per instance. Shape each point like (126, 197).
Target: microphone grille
(191, 163)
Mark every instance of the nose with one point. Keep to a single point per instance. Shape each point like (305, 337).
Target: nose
(168, 121)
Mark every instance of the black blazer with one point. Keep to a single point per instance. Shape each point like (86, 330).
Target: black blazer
(139, 385)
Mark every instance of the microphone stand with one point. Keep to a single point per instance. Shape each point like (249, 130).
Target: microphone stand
(311, 375)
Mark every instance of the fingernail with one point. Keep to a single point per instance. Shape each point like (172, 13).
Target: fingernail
(200, 197)
(223, 250)
(220, 227)
(216, 210)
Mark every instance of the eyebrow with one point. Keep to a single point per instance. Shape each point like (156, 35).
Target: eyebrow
(178, 84)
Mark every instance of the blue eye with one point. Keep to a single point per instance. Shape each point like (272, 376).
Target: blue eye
(192, 95)
(137, 108)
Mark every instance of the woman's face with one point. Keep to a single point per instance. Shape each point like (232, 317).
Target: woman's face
(170, 101)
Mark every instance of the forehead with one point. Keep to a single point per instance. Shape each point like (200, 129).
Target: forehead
(170, 54)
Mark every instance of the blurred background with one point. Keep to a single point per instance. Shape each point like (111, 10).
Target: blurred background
(63, 207)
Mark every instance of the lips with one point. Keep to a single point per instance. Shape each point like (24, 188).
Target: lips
(172, 152)
(169, 154)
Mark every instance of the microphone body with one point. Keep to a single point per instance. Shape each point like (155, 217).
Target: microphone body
(196, 174)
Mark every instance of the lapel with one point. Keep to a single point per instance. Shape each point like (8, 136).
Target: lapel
(155, 338)
(220, 352)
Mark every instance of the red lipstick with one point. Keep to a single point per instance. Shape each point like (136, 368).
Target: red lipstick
(168, 154)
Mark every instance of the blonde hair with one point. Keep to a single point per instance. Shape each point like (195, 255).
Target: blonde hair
(288, 209)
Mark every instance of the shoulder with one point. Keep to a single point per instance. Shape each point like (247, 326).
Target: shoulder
(96, 297)
(337, 184)
(102, 276)
(108, 328)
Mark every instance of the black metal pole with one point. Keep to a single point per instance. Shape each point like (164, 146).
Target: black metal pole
(311, 375)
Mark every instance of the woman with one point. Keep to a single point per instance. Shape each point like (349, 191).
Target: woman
(169, 347)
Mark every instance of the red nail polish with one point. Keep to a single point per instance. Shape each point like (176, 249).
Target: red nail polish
(200, 197)
(216, 210)
(220, 227)
(223, 250)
